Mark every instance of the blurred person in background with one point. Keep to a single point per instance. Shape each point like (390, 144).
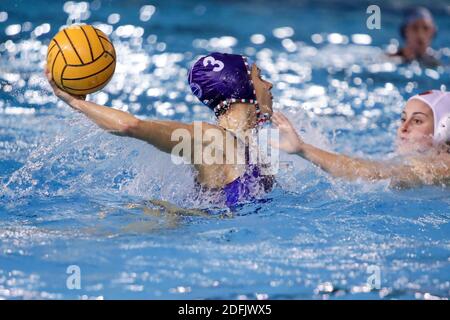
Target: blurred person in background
(418, 30)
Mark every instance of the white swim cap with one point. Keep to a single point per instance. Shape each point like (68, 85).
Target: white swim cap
(439, 102)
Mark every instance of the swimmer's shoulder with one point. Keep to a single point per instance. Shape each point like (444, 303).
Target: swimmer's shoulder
(396, 57)
(429, 60)
(435, 167)
(398, 53)
(205, 126)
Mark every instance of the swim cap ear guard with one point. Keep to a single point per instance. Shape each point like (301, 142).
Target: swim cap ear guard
(439, 103)
(221, 79)
(442, 133)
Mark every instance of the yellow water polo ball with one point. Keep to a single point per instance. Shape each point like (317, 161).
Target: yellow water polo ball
(81, 59)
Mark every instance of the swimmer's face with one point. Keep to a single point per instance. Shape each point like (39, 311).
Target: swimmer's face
(262, 89)
(416, 130)
(419, 35)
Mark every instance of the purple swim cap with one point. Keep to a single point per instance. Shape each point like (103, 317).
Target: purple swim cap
(220, 79)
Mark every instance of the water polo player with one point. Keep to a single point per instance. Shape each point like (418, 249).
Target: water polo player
(423, 142)
(233, 88)
(418, 30)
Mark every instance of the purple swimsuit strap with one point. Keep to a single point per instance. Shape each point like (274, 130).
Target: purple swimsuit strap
(245, 187)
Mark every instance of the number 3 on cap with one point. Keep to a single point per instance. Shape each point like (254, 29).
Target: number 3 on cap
(218, 65)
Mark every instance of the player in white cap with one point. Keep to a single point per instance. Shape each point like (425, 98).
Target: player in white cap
(423, 143)
(418, 30)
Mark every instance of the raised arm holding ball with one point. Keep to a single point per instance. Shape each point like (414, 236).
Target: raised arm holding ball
(227, 84)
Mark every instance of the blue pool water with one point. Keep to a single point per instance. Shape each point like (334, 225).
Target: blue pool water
(71, 194)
